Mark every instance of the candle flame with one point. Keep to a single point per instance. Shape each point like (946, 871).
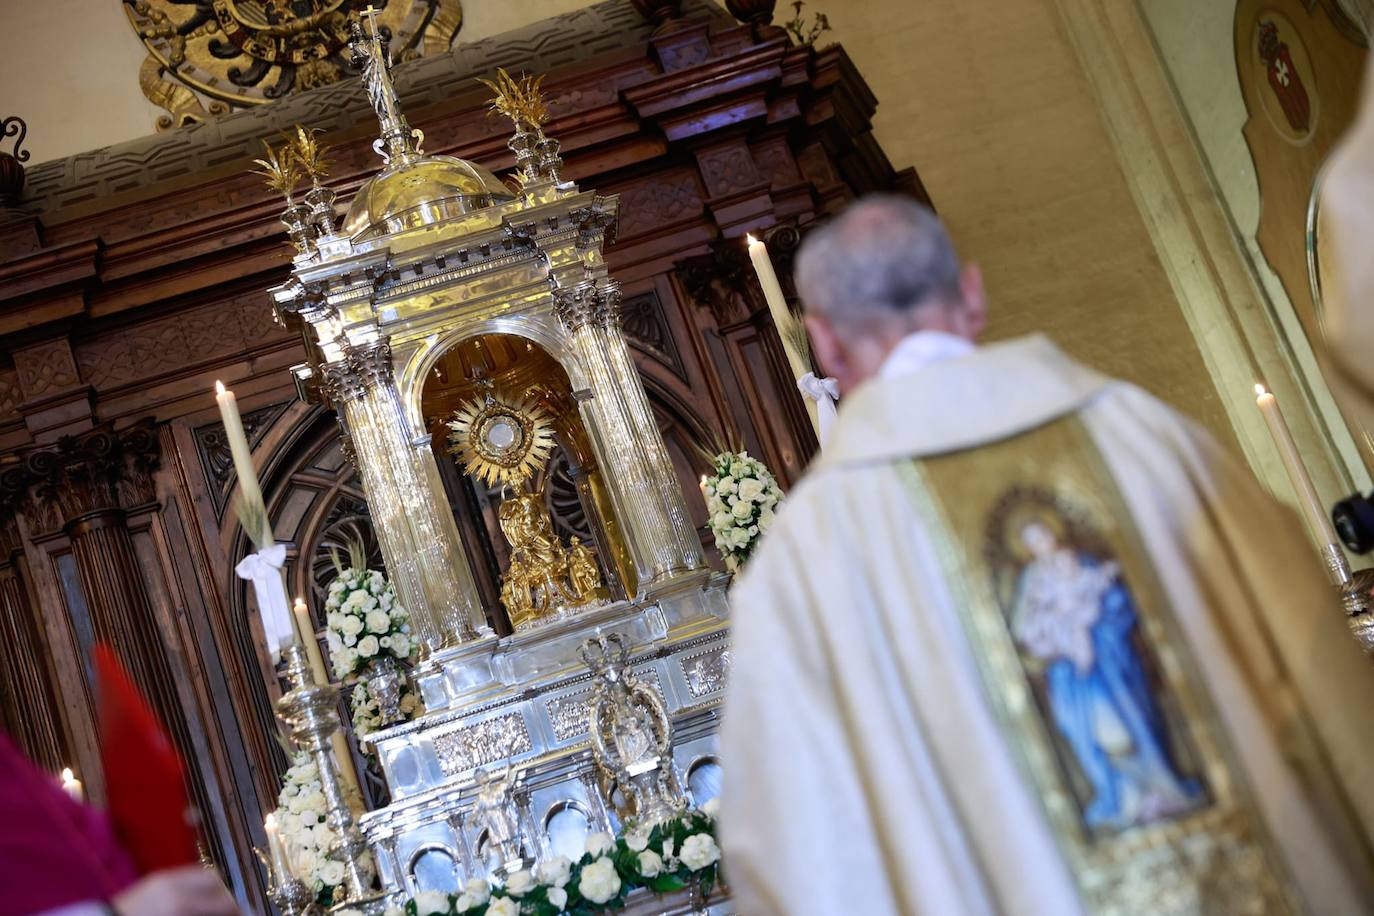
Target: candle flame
(300, 602)
(67, 774)
(219, 387)
(271, 822)
(1260, 390)
(750, 237)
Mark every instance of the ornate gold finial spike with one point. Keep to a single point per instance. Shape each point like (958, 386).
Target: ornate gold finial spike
(520, 100)
(280, 168)
(310, 153)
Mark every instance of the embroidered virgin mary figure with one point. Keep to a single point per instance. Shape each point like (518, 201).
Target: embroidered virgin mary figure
(1075, 621)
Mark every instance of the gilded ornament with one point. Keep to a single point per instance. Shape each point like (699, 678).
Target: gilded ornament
(520, 100)
(208, 56)
(501, 439)
(280, 169)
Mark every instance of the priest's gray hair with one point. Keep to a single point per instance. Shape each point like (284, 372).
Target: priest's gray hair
(882, 258)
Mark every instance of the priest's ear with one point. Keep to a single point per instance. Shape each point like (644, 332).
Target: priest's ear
(972, 316)
(828, 349)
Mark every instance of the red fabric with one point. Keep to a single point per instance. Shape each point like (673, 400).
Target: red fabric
(143, 775)
(54, 851)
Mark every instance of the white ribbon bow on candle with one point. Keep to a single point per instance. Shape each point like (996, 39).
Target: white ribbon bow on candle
(825, 392)
(264, 570)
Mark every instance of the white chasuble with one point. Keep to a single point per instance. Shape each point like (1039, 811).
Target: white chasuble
(1025, 641)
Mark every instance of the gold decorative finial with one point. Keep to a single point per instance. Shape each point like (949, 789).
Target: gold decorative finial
(281, 170)
(310, 153)
(520, 100)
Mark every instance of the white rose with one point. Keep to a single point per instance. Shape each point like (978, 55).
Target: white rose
(650, 863)
(354, 600)
(711, 808)
(765, 519)
(722, 521)
(599, 882)
(598, 844)
(376, 583)
(750, 489)
(306, 860)
(378, 621)
(465, 903)
(478, 889)
(558, 897)
(555, 871)
(740, 538)
(738, 469)
(637, 839)
(331, 872)
(519, 883)
(503, 906)
(346, 660)
(367, 646)
(742, 510)
(350, 626)
(699, 850)
(725, 486)
(400, 644)
(427, 902)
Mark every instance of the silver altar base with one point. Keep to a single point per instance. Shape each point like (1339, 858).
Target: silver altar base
(526, 698)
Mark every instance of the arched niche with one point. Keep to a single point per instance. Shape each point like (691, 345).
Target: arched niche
(573, 480)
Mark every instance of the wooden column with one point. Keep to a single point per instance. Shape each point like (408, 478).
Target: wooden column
(86, 484)
(30, 711)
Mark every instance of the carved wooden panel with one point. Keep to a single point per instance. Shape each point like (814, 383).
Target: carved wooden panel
(45, 367)
(178, 341)
(658, 203)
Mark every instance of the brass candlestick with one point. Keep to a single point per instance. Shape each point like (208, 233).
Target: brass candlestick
(310, 710)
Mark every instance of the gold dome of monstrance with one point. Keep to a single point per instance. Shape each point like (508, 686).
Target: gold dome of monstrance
(421, 191)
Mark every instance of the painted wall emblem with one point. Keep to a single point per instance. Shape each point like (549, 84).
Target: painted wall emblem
(1289, 93)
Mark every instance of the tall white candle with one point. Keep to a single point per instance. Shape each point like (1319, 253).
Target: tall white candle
(276, 849)
(72, 786)
(782, 316)
(1318, 521)
(305, 629)
(243, 457)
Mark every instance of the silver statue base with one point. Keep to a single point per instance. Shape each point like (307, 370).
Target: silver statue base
(526, 699)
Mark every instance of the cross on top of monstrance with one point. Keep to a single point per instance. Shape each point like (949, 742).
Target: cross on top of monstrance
(373, 58)
(504, 439)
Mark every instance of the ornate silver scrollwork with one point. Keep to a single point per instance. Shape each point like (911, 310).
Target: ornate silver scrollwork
(631, 733)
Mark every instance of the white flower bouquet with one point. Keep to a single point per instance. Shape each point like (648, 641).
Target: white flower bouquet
(365, 622)
(673, 855)
(301, 820)
(367, 712)
(741, 496)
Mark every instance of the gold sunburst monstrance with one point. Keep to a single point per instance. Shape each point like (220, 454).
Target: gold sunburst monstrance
(501, 438)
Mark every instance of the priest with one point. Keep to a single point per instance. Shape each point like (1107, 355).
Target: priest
(1027, 641)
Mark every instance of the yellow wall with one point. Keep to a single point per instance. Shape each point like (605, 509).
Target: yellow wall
(987, 99)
